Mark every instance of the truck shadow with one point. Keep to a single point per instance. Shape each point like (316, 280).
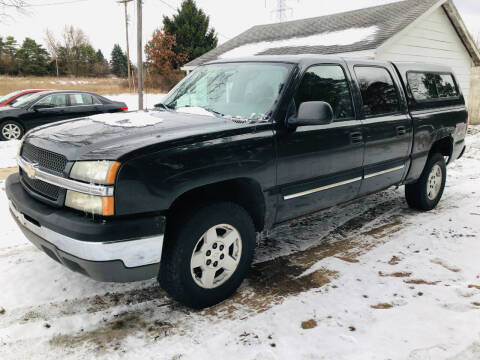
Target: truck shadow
(268, 282)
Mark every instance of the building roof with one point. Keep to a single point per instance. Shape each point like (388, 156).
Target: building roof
(351, 31)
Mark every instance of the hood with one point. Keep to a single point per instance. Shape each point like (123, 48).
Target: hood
(8, 108)
(111, 136)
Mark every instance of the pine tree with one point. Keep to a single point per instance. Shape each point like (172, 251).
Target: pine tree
(100, 57)
(32, 58)
(191, 29)
(118, 62)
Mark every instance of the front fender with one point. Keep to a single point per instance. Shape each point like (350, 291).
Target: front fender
(152, 182)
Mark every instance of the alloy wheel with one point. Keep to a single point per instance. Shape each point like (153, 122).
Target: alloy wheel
(434, 182)
(216, 256)
(11, 131)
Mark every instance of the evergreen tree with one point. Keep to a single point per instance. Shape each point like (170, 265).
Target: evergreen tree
(8, 63)
(191, 29)
(99, 56)
(32, 58)
(118, 62)
(10, 46)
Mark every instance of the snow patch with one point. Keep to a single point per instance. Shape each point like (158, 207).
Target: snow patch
(195, 110)
(339, 38)
(9, 150)
(129, 119)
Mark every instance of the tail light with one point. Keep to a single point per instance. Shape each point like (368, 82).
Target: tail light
(124, 108)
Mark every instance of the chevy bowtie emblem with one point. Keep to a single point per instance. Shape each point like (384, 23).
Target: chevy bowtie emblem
(30, 170)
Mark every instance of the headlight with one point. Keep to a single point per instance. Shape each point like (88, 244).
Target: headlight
(89, 203)
(98, 172)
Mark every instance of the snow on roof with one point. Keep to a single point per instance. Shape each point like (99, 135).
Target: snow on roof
(333, 38)
(336, 32)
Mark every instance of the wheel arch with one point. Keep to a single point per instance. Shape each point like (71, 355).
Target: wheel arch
(245, 192)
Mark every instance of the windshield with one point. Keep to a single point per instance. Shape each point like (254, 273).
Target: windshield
(235, 90)
(8, 96)
(27, 100)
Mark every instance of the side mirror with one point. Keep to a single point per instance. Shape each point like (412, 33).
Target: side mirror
(37, 107)
(313, 113)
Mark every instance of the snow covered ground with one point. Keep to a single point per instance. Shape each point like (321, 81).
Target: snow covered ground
(369, 280)
(149, 100)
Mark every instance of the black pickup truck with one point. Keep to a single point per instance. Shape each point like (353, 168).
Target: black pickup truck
(237, 147)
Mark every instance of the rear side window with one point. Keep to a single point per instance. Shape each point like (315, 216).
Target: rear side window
(379, 94)
(430, 86)
(327, 83)
(83, 99)
(446, 86)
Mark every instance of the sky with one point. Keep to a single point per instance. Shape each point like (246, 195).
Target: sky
(104, 23)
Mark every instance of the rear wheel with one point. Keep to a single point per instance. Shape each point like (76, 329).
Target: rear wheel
(208, 254)
(11, 130)
(427, 191)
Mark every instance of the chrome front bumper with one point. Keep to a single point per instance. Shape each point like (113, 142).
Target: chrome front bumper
(133, 253)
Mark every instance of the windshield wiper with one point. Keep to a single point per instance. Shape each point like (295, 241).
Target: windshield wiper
(163, 106)
(219, 114)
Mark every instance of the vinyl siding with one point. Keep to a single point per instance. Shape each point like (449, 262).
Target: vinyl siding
(433, 40)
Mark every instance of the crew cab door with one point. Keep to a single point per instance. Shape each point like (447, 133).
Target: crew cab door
(387, 127)
(320, 165)
(83, 104)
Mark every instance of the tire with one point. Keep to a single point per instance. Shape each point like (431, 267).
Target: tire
(425, 194)
(201, 239)
(11, 130)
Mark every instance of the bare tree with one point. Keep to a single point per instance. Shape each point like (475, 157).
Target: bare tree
(53, 47)
(73, 39)
(6, 5)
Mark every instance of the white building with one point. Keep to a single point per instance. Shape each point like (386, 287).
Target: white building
(411, 30)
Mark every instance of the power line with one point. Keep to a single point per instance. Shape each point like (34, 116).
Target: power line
(56, 3)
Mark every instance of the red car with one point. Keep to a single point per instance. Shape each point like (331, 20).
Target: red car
(13, 97)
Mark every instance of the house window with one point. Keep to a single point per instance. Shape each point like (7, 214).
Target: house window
(327, 83)
(379, 95)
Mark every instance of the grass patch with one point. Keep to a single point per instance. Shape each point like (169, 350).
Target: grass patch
(102, 86)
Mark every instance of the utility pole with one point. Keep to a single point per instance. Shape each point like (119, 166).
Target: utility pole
(139, 55)
(282, 10)
(125, 3)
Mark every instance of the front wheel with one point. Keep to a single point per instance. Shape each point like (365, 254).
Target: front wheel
(11, 130)
(427, 191)
(208, 255)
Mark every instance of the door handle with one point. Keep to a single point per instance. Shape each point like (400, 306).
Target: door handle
(356, 137)
(401, 130)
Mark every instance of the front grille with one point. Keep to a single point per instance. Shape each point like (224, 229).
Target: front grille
(45, 159)
(43, 188)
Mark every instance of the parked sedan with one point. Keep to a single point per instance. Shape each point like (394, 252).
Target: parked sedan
(15, 96)
(51, 106)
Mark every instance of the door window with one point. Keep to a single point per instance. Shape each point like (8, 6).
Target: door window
(52, 101)
(327, 83)
(83, 99)
(379, 94)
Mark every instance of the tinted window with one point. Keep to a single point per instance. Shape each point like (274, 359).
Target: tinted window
(379, 94)
(422, 86)
(54, 101)
(327, 83)
(445, 86)
(428, 86)
(83, 99)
